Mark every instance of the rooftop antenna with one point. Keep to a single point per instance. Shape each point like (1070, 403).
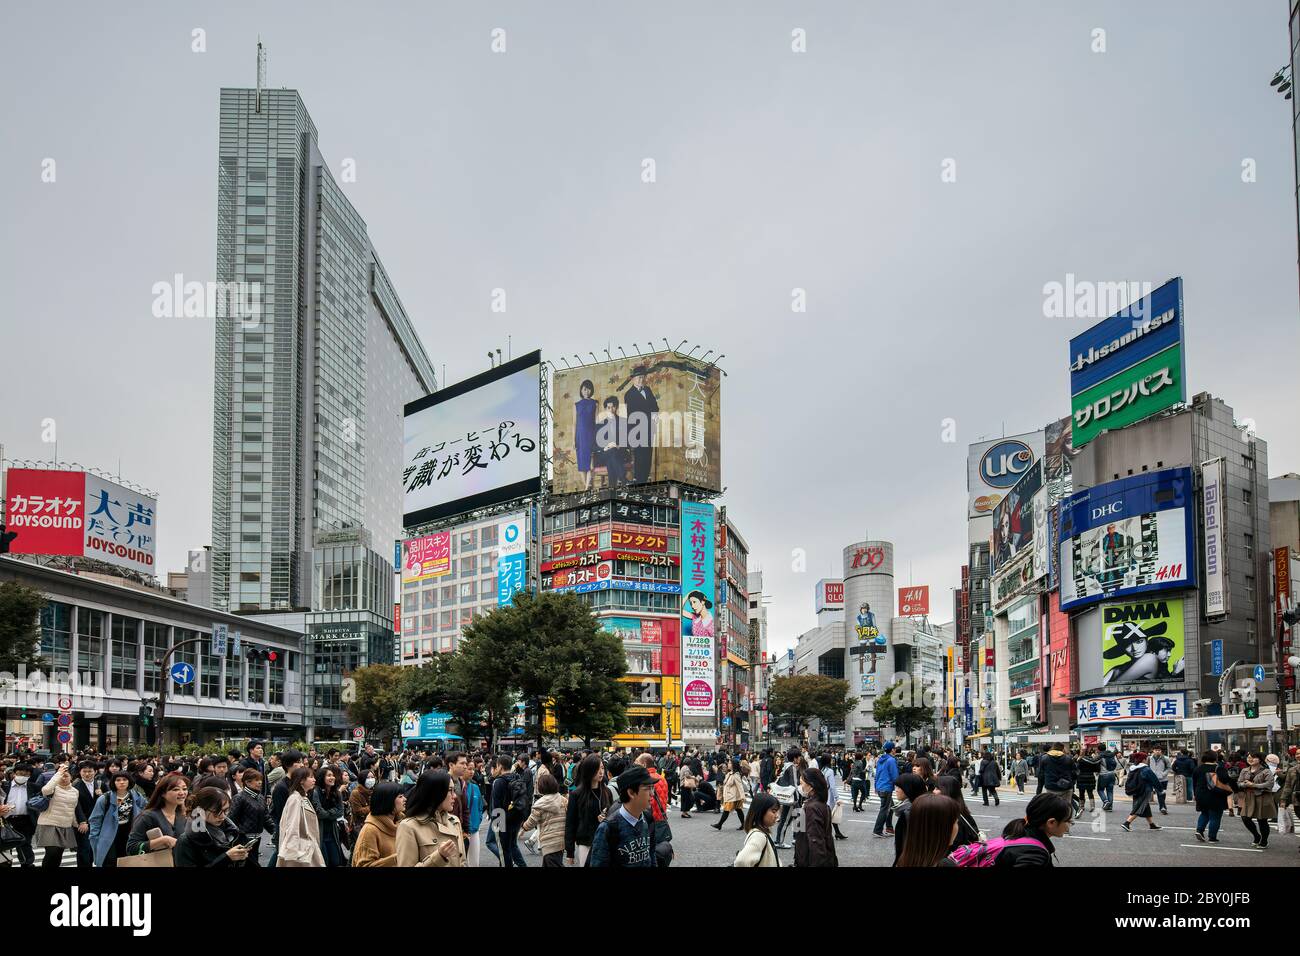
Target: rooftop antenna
(261, 75)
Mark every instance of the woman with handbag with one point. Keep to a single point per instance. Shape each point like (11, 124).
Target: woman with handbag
(833, 779)
(211, 839)
(110, 821)
(586, 809)
(430, 834)
(1255, 790)
(687, 782)
(60, 822)
(163, 812)
(328, 804)
(759, 850)
(299, 843)
(733, 797)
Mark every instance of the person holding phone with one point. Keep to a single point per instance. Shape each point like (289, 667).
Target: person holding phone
(62, 820)
(163, 819)
(212, 839)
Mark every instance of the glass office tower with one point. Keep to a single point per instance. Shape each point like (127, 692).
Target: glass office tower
(315, 358)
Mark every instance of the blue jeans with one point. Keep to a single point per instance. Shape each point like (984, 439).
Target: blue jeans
(1212, 818)
(1106, 789)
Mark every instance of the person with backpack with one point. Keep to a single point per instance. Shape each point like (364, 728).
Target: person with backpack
(990, 778)
(1185, 768)
(1211, 795)
(626, 838)
(1027, 842)
(512, 793)
(1106, 778)
(1056, 772)
(1141, 784)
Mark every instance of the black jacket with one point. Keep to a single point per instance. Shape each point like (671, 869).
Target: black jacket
(1028, 855)
(279, 797)
(815, 845)
(1088, 768)
(86, 797)
(580, 821)
(1056, 771)
(990, 773)
(249, 814)
(207, 847)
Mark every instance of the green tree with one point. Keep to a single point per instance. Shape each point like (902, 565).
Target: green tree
(899, 710)
(446, 683)
(20, 628)
(806, 696)
(380, 698)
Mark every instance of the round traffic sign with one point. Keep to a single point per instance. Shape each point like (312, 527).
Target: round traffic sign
(65, 703)
(65, 737)
(65, 720)
(359, 733)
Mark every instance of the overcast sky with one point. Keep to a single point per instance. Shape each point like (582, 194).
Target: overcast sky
(776, 170)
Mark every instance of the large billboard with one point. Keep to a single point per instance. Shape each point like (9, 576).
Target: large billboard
(79, 514)
(653, 417)
(1214, 480)
(1142, 641)
(993, 467)
(698, 692)
(1130, 366)
(474, 444)
(512, 558)
(1013, 519)
(428, 556)
(1127, 537)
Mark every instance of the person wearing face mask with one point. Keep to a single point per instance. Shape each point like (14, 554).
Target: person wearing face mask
(814, 844)
(15, 798)
(62, 821)
(360, 797)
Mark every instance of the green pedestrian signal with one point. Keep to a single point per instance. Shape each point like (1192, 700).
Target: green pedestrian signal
(1252, 709)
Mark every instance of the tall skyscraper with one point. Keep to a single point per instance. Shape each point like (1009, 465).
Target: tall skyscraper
(309, 390)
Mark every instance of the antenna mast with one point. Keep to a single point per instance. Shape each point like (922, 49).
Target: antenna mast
(261, 76)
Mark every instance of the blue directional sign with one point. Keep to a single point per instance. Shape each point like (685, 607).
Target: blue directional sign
(183, 673)
(47, 718)
(1259, 673)
(1216, 658)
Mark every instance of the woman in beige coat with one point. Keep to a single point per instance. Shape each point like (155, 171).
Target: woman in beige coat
(733, 796)
(547, 817)
(1259, 805)
(299, 835)
(377, 842)
(58, 824)
(430, 834)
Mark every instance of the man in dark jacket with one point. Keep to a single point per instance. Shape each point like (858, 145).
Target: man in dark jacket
(1056, 771)
(627, 837)
(248, 812)
(87, 794)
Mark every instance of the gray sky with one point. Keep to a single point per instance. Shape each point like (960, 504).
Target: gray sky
(775, 170)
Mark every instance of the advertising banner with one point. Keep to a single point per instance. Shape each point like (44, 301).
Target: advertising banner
(1129, 366)
(1130, 709)
(1058, 449)
(993, 467)
(914, 601)
(512, 559)
(1013, 518)
(697, 625)
(79, 514)
(1142, 641)
(1127, 537)
(473, 444)
(1214, 541)
(426, 557)
(1281, 600)
(871, 640)
(653, 417)
(830, 595)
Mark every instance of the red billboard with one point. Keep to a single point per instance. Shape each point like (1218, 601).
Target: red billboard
(1059, 629)
(914, 601)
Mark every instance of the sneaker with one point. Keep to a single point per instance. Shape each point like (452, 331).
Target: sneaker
(1154, 827)
(1164, 811)
(889, 831)
(1254, 846)
(1200, 836)
(1126, 828)
(1211, 839)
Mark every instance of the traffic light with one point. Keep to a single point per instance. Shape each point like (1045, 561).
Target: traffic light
(5, 537)
(256, 654)
(146, 715)
(1252, 709)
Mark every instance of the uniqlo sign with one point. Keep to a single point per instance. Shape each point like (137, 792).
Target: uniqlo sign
(79, 514)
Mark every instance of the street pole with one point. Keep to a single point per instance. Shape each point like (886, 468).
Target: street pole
(163, 678)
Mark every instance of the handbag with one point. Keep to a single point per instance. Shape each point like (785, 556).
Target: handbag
(9, 836)
(148, 859)
(837, 814)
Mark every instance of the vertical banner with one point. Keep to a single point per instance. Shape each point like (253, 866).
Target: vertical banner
(1214, 539)
(512, 563)
(1282, 597)
(697, 609)
(220, 634)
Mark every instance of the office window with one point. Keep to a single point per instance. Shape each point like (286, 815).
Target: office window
(90, 642)
(56, 635)
(210, 678)
(155, 646)
(126, 652)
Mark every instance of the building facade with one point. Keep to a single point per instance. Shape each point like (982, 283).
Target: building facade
(107, 636)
